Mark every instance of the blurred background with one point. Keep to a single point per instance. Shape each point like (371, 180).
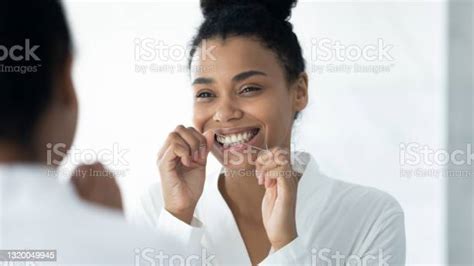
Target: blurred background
(390, 98)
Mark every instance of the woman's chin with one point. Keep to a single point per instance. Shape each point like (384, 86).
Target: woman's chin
(235, 166)
(237, 161)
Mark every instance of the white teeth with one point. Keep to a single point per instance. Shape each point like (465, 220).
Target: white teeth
(233, 139)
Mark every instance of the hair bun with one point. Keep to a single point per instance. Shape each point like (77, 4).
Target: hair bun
(280, 9)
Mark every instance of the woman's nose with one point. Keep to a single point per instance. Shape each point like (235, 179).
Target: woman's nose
(227, 111)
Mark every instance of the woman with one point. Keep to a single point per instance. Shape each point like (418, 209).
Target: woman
(38, 117)
(268, 205)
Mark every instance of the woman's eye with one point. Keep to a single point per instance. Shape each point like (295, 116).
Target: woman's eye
(204, 94)
(248, 90)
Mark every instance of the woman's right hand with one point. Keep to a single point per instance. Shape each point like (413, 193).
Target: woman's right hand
(182, 167)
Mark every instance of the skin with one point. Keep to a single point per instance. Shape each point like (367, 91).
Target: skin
(57, 124)
(96, 184)
(243, 86)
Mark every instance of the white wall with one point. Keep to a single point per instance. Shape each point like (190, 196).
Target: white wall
(354, 124)
(460, 190)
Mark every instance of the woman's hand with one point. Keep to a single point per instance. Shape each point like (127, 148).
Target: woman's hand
(279, 202)
(182, 165)
(96, 184)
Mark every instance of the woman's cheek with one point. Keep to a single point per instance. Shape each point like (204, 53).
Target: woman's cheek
(198, 119)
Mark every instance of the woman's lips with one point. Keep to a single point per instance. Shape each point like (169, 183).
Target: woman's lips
(234, 130)
(237, 138)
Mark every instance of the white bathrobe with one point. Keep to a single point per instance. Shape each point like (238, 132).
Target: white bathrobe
(37, 212)
(337, 223)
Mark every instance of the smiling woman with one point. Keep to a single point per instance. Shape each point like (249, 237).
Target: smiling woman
(246, 92)
(268, 204)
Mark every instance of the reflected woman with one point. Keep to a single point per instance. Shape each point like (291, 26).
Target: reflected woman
(268, 204)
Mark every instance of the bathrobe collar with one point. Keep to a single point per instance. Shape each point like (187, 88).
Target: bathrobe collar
(224, 233)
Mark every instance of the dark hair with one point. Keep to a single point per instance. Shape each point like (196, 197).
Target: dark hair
(267, 20)
(26, 78)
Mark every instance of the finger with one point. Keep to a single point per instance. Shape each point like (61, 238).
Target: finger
(287, 184)
(209, 136)
(270, 172)
(269, 182)
(259, 173)
(263, 166)
(276, 157)
(190, 140)
(176, 152)
(202, 143)
(262, 171)
(270, 177)
(172, 137)
(264, 157)
(281, 156)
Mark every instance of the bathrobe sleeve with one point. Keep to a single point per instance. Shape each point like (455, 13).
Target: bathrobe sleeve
(294, 253)
(187, 238)
(175, 236)
(387, 247)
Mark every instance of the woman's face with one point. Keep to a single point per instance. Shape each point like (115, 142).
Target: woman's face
(58, 124)
(242, 98)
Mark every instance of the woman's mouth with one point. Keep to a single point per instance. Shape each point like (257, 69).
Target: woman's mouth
(237, 138)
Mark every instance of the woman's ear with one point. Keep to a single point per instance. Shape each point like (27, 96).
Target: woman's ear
(300, 96)
(70, 97)
(64, 91)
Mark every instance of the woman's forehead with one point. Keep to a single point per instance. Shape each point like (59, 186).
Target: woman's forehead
(226, 58)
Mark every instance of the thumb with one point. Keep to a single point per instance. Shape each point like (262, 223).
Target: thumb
(209, 135)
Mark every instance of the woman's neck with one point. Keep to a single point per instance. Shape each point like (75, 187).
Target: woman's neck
(14, 153)
(242, 193)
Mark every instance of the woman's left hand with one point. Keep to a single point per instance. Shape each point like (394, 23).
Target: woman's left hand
(279, 202)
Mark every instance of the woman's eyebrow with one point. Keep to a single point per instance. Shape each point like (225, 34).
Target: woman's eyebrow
(239, 77)
(247, 74)
(203, 81)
